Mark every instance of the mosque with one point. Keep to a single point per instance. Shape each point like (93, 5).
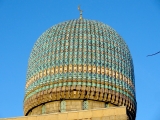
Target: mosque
(80, 70)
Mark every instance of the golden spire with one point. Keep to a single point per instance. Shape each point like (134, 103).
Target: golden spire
(80, 12)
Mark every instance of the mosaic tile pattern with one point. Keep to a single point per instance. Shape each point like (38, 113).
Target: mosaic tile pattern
(80, 53)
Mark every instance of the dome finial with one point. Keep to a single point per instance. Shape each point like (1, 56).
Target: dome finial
(80, 12)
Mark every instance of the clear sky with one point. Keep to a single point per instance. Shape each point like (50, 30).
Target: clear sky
(23, 21)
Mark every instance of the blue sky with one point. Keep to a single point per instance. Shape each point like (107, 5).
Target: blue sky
(22, 22)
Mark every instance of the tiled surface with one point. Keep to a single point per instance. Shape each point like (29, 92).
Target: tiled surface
(82, 56)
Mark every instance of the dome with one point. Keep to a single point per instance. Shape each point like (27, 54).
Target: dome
(82, 64)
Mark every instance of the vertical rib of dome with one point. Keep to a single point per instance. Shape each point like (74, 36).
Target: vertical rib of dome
(80, 59)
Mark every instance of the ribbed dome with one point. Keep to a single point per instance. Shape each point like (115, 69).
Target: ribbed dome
(80, 59)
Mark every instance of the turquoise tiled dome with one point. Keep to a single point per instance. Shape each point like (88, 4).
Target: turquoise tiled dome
(81, 55)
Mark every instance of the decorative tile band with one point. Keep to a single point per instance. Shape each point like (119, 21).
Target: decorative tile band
(78, 93)
(80, 68)
(106, 85)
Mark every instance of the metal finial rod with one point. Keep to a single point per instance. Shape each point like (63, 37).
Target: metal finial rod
(80, 12)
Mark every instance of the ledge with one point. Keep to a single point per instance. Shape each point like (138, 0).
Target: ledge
(112, 113)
